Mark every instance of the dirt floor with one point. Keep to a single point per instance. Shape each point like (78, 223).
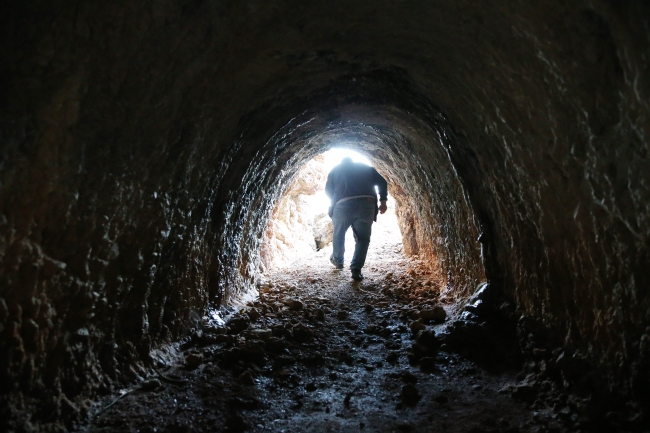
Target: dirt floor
(319, 352)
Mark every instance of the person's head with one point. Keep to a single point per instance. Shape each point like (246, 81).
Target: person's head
(346, 160)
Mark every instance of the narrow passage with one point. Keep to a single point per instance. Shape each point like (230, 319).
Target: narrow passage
(317, 352)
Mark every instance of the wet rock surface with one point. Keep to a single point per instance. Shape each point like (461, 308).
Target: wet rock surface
(327, 354)
(144, 146)
(296, 228)
(348, 368)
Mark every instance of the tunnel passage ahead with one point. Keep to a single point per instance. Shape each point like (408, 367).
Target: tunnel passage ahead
(433, 211)
(300, 229)
(144, 145)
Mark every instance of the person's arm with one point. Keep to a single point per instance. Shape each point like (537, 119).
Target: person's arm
(329, 191)
(382, 186)
(329, 186)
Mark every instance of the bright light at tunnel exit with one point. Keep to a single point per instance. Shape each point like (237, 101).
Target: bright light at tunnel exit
(299, 221)
(334, 156)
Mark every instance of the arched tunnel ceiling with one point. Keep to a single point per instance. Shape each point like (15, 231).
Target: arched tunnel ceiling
(137, 139)
(405, 148)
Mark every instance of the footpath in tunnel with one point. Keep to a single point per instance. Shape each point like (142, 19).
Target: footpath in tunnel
(319, 352)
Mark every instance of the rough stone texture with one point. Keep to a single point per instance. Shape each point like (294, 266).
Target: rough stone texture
(292, 230)
(323, 230)
(144, 146)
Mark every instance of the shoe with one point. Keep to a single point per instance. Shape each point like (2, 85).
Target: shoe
(336, 265)
(357, 275)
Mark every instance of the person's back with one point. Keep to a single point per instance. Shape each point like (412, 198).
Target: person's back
(351, 188)
(350, 179)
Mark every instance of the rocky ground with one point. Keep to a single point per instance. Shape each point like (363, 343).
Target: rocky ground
(318, 352)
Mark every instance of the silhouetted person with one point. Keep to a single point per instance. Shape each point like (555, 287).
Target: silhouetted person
(351, 187)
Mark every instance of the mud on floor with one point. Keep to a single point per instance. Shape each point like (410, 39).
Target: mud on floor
(318, 352)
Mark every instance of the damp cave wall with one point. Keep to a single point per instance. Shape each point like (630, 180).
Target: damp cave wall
(137, 138)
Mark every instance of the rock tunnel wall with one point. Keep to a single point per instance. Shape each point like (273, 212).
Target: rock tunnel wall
(145, 144)
(291, 233)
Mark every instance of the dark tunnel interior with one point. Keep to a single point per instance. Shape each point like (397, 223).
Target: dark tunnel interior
(145, 145)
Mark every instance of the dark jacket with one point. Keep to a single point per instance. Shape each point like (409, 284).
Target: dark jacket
(350, 179)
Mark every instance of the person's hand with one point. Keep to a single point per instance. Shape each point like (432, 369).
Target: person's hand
(382, 207)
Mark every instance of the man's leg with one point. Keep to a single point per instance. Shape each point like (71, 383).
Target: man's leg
(362, 229)
(341, 219)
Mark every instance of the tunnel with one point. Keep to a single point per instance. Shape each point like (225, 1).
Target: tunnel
(145, 145)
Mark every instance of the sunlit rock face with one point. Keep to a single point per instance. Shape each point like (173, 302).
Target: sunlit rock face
(145, 146)
(298, 219)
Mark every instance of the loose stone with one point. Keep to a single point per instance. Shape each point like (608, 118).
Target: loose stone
(150, 385)
(194, 360)
(294, 304)
(410, 394)
(437, 314)
(417, 326)
(246, 378)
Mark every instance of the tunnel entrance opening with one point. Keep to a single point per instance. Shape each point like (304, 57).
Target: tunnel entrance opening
(300, 229)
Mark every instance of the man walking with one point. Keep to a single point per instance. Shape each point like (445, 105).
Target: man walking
(351, 187)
